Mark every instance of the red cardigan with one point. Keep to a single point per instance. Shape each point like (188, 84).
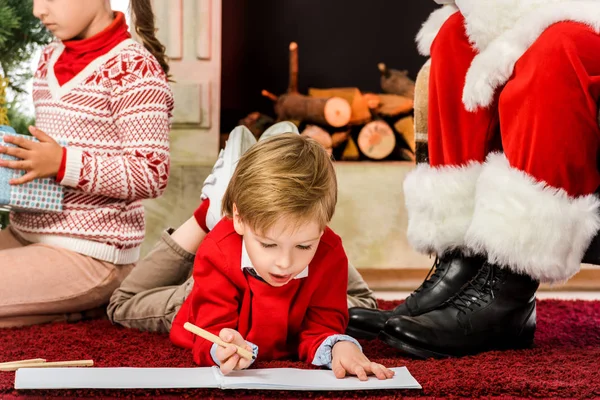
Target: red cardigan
(288, 321)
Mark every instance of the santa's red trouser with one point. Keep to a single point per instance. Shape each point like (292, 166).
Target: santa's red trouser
(546, 114)
(545, 122)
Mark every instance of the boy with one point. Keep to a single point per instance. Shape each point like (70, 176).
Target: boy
(271, 276)
(150, 297)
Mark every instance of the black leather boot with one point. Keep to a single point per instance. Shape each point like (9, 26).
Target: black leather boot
(592, 254)
(452, 271)
(496, 310)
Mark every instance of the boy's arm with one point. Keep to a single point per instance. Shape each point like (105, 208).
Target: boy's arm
(327, 315)
(214, 300)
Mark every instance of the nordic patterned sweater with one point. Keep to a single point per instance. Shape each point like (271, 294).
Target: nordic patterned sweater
(115, 115)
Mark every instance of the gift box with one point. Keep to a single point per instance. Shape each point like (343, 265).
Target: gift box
(39, 195)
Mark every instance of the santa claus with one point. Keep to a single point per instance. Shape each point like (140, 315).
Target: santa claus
(508, 199)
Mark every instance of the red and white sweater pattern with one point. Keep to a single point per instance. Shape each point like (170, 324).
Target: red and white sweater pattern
(115, 116)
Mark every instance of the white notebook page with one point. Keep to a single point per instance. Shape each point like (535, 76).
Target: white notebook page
(304, 379)
(207, 377)
(115, 378)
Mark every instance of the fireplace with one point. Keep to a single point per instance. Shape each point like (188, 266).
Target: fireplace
(340, 48)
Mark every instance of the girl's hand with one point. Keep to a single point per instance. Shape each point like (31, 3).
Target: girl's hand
(39, 160)
(347, 358)
(228, 357)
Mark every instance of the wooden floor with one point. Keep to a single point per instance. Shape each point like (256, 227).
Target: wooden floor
(588, 295)
(407, 279)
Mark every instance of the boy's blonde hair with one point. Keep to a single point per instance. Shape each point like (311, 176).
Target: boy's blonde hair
(287, 177)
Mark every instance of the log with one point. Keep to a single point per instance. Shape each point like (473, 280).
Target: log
(257, 123)
(392, 105)
(338, 138)
(376, 140)
(396, 82)
(333, 111)
(351, 152)
(293, 83)
(373, 100)
(358, 104)
(406, 127)
(320, 135)
(406, 155)
(269, 95)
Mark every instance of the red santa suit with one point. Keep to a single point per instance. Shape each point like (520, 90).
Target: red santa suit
(523, 77)
(513, 147)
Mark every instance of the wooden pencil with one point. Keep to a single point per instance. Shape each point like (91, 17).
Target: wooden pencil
(76, 363)
(30, 361)
(215, 339)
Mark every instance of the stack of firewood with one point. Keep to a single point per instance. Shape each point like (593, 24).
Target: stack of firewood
(349, 124)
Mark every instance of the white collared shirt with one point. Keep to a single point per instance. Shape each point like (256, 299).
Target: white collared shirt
(323, 355)
(247, 264)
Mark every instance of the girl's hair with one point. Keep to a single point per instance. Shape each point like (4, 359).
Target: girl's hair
(143, 17)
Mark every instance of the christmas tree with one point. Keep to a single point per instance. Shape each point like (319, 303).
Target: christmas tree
(3, 111)
(20, 34)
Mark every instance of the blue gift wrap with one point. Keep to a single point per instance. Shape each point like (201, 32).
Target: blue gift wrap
(39, 195)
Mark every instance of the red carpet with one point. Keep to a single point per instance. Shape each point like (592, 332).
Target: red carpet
(564, 363)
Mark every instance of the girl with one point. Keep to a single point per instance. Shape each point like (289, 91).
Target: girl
(108, 96)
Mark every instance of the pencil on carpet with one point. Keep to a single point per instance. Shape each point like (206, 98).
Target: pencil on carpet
(76, 363)
(30, 361)
(215, 339)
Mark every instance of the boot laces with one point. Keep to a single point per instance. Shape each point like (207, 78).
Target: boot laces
(432, 277)
(479, 291)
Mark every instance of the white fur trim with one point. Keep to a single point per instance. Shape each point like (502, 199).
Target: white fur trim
(440, 204)
(485, 20)
(493, 67)
(528, 226)
(431, 27)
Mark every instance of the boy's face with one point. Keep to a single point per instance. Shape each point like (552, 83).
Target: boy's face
(281, 253)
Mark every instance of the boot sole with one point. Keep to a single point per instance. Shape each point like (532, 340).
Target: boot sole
(423, 353)
(361, 334)
(415, 351)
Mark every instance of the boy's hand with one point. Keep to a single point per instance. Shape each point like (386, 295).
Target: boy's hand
(228, 357)
(39, 160)
(347, 358)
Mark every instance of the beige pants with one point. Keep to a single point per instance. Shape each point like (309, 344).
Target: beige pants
(41, 283)
(151, 295)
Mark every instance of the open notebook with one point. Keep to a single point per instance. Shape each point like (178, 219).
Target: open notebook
(206, 377)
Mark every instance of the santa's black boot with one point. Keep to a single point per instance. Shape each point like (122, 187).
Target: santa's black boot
(447, 276)
(496, 310)
(439, 203)
(530, 233)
